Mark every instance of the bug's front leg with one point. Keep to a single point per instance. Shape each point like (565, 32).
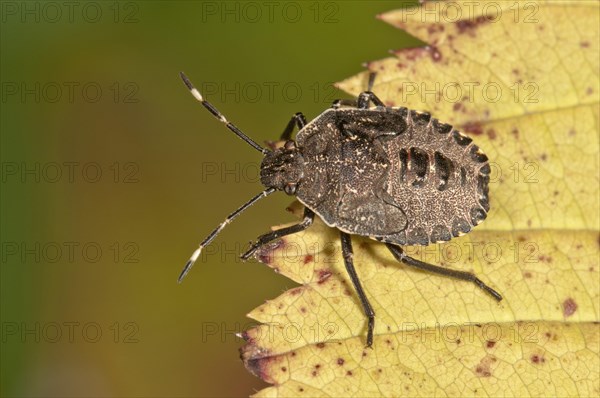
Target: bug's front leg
(297, 120)
(309, 216)
(347, 254)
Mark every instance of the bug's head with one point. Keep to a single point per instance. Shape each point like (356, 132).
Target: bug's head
(283, 168)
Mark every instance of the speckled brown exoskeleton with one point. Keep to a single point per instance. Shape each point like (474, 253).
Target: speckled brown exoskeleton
(388, 173)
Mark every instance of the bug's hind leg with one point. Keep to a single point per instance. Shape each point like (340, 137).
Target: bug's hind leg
(347, 253)
(465, 276)
(309, 216)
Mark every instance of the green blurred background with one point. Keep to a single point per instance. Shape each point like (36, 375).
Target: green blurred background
(112, 174)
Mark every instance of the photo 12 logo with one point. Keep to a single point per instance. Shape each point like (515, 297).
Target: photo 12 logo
(70, 172)
(70, 332)
(270, 11)
(52, 92)
(54, 12)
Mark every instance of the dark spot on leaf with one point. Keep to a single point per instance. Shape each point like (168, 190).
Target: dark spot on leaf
(483, 371)
(490, 344)
(246, 336)
(537, 359)
(572, 132)
(458, 341)
(265, 258)
(349, 373)
(435, 28)
(515, 132)
(314, 373)
(411, 53)
(468, 26)
(320, 345)
(474, 128)
(569, 307)
(300, 389)
(543, 156)
(258, 367)
(527, 274)
(303, 309)
(589, 91)
(283, 369)
(295, 291)
(340, 361)
(436, 55)
(308, 258)
(584, 44)
(323, 276)
(491, 133)
(293, 353)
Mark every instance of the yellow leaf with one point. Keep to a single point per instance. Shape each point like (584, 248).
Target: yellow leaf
(539, 245)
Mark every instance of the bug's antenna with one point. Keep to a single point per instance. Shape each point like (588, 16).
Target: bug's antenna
(216, 231)
(219, 115)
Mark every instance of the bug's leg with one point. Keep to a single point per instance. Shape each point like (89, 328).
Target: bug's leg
(297, 120)
(465, 276)
(355, 102)
(367, 96)
(309, 216)
(347, 253)
(372, 76)
(338, 103)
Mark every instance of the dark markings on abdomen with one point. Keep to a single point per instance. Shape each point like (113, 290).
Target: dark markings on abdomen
(419, 164)
(403, 164)
(444, 170)
(416, 164)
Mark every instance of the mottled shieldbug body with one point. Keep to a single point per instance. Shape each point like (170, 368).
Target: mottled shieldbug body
(391, 174)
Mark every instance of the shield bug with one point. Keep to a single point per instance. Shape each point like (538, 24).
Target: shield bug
(391, 174)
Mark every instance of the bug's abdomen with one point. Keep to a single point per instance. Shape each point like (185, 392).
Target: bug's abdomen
(439, 178)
